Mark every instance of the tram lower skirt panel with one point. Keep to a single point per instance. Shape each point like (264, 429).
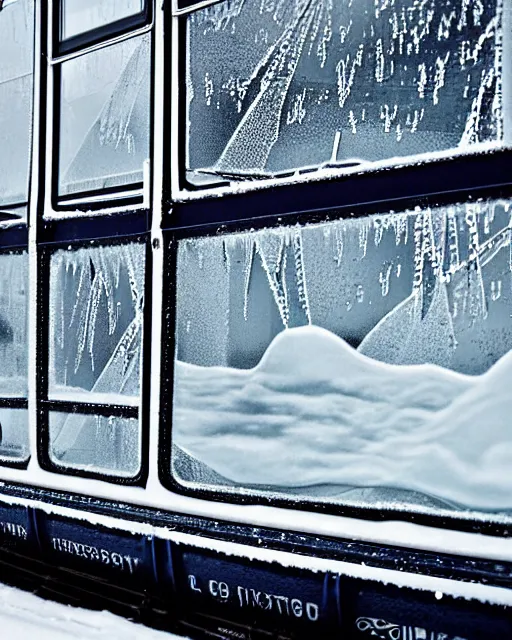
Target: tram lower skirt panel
(207, 594)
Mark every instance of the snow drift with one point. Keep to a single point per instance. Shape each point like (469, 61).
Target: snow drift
(315, 411)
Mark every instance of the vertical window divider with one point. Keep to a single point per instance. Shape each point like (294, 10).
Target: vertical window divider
(156, 249)
(49, 116)
(36, 203)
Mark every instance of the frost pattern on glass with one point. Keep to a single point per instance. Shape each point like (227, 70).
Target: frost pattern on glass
(13, 325)
(13, 434)
(96, 318)
(104, 128)
(358, 361)
(109, 445)
(16, 88)
(274, 86)
(79, 17)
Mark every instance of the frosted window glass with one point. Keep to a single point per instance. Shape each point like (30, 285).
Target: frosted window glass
(13, 434)
(274, 86)
(13, 325)
(16, 87)
(96, 319)
(79, 16)
(104, 117)
(360, 361)
(109, 445)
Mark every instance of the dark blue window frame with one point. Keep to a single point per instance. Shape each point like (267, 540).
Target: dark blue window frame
(131, 195)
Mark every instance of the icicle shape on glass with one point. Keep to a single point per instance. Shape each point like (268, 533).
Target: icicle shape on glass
(300, 273)
(477, 304)
(94, 304)
(452, 240)
(270, 246)
(249, 260)
(338, 243)
(385, 279)
(419, 256)
(363, 236)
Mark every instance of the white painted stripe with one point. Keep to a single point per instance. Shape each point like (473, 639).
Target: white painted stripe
(441, 586)
(160, 150)
(35, 184)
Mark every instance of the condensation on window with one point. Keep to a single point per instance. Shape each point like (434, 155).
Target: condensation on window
(105, 117)
(16, 89)
(14, 443)
(360, 361)
(108, 445)
(80, 17)
(13, 324)
(96, 320)
(279, 85)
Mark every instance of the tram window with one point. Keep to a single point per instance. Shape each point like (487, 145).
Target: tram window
(96, 320)
(13, 324)
(274, 87)
(13, 435)
(104, 117)
(13, 351)
(80, 17)
(104, 444)
(16, 89)
(363, 361)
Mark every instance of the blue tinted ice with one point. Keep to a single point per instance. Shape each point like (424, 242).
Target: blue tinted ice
(364, 360)
(13, 324)
(16, 88)
(14, 443)
(104, 117)
(276, 85)
(108, 445)
(96, 317)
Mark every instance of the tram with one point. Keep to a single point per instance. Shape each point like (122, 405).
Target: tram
(255, 314)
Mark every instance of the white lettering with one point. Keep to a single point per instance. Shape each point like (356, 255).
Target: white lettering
(242, 596)
(219, 589)
(284, 599)
(192, 581)
(312, 611)
(249, 597)
(15, 530)
(96, 554)
(297, 608)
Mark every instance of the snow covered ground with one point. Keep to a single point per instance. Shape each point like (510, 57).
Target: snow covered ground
(25, 616)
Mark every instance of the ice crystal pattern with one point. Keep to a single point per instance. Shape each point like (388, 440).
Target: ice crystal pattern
(361, 359)
(13, 324)
(96, 320)
(305, 82)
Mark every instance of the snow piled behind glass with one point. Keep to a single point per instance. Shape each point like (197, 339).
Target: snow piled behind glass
(363, 361)
(276, 85)
(96, 318)
(13, 325)
(16, 88)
